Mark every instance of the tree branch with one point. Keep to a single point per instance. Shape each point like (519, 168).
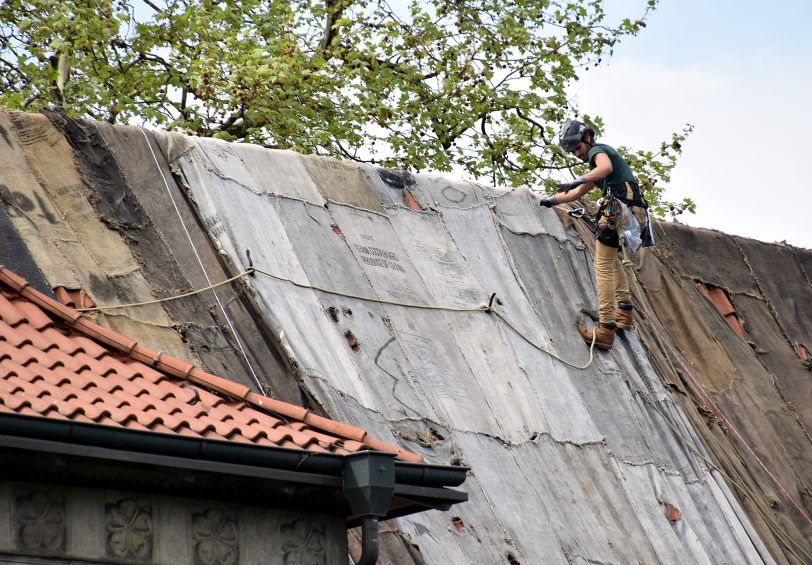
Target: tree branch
(334, 10)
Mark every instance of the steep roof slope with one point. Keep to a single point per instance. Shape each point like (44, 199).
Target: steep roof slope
(729, 330)
(371, 284)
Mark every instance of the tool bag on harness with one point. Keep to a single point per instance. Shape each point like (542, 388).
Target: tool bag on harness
(622, 213)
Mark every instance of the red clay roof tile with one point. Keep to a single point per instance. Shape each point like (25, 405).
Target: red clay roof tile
(63, 296)
(723, 305)
(702, 290)
(141, 404)
(90, 347)
(410, 201)
(9, 314)
(734, 323)
(33, 314)
(75, 298)
(721, 301)
(18, 354)
(60, 340)
(56, 364)
(24, 334)
(131, 370)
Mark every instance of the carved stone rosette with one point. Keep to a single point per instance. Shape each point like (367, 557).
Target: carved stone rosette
(216, 537)
(303, 543)
(39, 521)
(129, 530)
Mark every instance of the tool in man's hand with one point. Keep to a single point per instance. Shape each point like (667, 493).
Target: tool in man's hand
(577, 213)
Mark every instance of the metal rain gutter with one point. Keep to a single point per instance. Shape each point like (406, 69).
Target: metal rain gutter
(365, 487)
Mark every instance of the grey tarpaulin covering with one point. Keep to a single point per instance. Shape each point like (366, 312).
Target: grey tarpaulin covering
(604, 465)
(568, 465)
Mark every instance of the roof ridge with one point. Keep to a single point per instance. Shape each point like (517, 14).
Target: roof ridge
(186, 371)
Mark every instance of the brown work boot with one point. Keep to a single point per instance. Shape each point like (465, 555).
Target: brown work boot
(605, 335)
(624, 315)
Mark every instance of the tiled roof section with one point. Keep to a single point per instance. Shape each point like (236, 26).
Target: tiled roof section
(723, 305)
(56, 364)
(75, 298)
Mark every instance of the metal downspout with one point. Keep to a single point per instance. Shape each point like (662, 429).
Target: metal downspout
(368, 482)
(370, 543)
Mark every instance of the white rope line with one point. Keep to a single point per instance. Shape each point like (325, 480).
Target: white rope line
(484, 308)
(203, 268)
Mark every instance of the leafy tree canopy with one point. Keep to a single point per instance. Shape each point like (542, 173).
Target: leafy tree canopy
(469, 85)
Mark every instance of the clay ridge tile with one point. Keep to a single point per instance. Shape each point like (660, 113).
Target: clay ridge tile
(219, 384)
(12, 279)
(330, 426)
(145, 355)
(277, 406)
(174, 367)
(408, 456)
(105, 335)
(379, 445)
(50, 305)
(335, 428)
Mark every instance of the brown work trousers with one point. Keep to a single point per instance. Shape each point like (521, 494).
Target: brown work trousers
(610, 277)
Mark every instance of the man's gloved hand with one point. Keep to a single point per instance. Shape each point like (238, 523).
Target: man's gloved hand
(567, 186)
(548, 201)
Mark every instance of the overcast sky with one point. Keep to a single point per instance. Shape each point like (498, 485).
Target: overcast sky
(741, 74)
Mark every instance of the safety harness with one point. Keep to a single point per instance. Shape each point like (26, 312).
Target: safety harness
(615, 197)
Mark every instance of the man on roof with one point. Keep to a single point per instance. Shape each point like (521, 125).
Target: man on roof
(621, 215)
